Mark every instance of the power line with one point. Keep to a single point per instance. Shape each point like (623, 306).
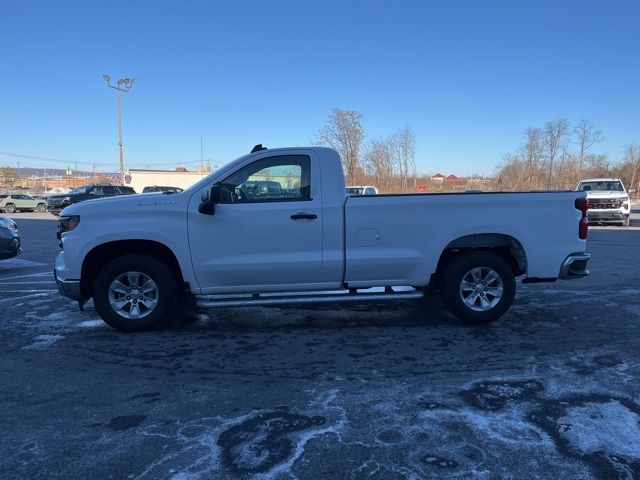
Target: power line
(58, 160)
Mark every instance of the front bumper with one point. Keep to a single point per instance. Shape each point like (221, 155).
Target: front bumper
(575, 266)
(600, 216)
(68, 288)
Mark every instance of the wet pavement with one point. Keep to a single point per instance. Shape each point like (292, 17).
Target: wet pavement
(384, 391)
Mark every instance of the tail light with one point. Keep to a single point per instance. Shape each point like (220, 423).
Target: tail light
(582, 204)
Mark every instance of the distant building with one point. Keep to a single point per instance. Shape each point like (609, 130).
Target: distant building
(138, 178)
(438, 177)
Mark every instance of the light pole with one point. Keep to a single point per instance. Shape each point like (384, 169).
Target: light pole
(122, 85)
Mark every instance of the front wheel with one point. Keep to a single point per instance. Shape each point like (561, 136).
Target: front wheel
(135, 292)
(478, 287)
(41, 207)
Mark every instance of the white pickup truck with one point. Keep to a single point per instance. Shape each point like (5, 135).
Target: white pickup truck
(608, 200)
(276, 227)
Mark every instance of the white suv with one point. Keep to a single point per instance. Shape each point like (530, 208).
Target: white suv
(608, 200)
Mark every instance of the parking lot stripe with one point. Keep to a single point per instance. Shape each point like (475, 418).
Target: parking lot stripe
(28, 275)
(24, 297)
(26, 291)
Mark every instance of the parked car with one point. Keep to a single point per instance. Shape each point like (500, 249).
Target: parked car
(136, 257)
(362, 190)
(55, 203)
(21, 203)
(608, 200)
(9, 238)
(158, 188)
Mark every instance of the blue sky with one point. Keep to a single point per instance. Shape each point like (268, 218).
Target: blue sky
(468, 77)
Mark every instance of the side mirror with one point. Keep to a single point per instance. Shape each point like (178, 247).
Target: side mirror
(208, 200)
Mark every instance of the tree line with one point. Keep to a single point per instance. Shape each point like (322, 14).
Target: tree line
(388, 162)
(558, 155)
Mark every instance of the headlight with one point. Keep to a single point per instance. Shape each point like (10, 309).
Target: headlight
(8, 223)
(66, 200)
(67, 224)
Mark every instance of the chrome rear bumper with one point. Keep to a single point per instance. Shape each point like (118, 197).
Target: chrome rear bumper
(575, 266)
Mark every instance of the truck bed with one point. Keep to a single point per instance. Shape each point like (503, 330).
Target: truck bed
(396, 235)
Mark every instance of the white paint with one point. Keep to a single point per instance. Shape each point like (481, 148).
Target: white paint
(23, 297)
(17, 263)
(24, 276)
(256, 247)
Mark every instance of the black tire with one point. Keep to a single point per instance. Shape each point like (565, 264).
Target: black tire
(627, 222)
(41, 207)
(451, 281)
(156, 270)
(10, 208)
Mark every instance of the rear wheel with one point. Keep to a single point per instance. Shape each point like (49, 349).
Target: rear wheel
(478, 287)
(135, 292)
(10, 208)
(41, 207)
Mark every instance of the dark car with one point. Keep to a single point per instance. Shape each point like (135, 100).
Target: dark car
(161, 188)
(9, 238)
(55, 203)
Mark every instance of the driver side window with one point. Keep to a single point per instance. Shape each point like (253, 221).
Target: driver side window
(271, 179)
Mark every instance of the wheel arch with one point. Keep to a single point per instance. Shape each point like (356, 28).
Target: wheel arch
(509, 248)
(101, 254)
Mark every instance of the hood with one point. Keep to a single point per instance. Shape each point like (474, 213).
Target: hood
(606, 194)
(124, 203)
(57, 196)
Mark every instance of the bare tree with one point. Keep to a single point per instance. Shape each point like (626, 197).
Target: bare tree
(555, 138)
(586, 136)
(378, 162)
(403, 144)
(632, 158)
(343, 132)
(597, 165)
(8, 176)
(532, 152)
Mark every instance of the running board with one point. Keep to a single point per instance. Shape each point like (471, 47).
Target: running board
(336, 296)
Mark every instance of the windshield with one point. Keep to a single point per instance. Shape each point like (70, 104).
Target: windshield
(80, 190)
(603, 186)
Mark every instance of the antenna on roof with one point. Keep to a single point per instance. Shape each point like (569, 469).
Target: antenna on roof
(257, 148)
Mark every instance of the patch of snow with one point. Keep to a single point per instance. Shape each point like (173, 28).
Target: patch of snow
(40, 342)
(610, 428)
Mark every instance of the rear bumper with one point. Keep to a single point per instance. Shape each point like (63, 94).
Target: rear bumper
(575, 266)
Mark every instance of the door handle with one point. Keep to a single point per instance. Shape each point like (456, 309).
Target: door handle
(304, 216)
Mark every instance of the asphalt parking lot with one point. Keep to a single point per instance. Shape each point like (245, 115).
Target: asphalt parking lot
(391, 391)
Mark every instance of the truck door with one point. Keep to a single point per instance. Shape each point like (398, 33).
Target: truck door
(265, 233)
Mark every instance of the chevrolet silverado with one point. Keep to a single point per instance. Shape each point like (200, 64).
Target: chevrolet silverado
(229, 244)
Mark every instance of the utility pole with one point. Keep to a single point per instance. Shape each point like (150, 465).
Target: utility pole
(201, 158)
(122, 85)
